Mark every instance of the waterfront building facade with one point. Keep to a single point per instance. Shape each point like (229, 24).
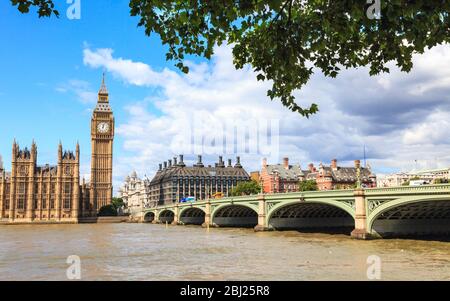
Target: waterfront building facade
(280, 178)
(175, 181)
(32, 193)
(135, 193)
(45, 193)
(429, 176)
(339, 177)
(255, 176)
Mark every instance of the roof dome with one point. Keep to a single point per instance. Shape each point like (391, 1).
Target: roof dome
(134, 175)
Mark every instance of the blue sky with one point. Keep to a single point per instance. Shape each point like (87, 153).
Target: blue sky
(40, 55)
(50, 71)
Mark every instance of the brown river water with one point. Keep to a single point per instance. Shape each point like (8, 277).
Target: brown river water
(154, 252)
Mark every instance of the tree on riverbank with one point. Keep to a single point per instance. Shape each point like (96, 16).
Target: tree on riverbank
(308, 185)
(118, 203)
(246, 188)
(286, 41)
(107, 210)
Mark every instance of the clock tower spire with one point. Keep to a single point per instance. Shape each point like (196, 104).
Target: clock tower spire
(102, 138)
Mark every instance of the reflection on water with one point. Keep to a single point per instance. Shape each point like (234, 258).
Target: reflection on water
(152, 252)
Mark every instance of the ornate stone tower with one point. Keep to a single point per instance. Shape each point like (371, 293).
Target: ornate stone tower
(102, 137)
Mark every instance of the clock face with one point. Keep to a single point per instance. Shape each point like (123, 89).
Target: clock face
(103, 127)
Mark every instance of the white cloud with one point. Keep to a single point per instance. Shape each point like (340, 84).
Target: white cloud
(386, 113)
(81, 89)
(434, 130)
(134, 73)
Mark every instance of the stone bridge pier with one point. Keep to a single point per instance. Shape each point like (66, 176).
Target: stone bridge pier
(360, 231)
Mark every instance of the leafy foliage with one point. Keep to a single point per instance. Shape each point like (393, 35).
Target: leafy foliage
(117, 203)
(246, 188)
(107, 210)
(286, 40)
(283, 40)
(45, 7)
(308, 185)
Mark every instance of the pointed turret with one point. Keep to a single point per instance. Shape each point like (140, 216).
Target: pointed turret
(103, 98)
(14, 149)
(103, 90)
(60, 151)
(33, 150)
(77, 151)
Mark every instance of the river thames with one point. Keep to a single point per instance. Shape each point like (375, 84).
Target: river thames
(154, 252)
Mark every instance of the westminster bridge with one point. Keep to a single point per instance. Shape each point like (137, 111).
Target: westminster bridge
(371, 213)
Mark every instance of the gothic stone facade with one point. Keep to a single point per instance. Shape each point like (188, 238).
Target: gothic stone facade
(175, 181)
(53, 194)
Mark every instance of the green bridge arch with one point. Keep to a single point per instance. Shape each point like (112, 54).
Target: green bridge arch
(237, 214)
(187, 208)
(345, 207)
(389, 205)
(325, 213)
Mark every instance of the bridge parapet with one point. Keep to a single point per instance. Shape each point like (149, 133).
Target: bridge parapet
(424, 189)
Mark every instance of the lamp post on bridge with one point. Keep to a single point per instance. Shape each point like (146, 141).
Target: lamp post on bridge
(358, 174)
(360, 231)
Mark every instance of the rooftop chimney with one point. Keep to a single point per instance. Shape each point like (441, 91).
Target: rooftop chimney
(175, 161)
(160, 167)
(286, 163)
(165, 164)
(221, 164)
(264, 162)
(181, 161)
(357, 163)
(170, 163)
(229, 163)
(334, 164)
(199, 161)
(238, 162)
(311, 167)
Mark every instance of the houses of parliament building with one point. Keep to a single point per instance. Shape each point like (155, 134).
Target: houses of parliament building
(30, 193)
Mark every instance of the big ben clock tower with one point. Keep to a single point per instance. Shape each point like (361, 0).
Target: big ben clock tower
(102, 137)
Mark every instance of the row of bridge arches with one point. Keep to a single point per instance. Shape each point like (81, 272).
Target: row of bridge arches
(419, 217)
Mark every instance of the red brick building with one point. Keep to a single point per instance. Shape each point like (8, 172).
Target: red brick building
(338, 177)
(281, 178)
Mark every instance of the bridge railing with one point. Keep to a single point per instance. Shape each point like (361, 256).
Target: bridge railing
(435, 188)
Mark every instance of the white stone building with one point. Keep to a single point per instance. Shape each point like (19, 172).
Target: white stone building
(397, 179)
(135, 193)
